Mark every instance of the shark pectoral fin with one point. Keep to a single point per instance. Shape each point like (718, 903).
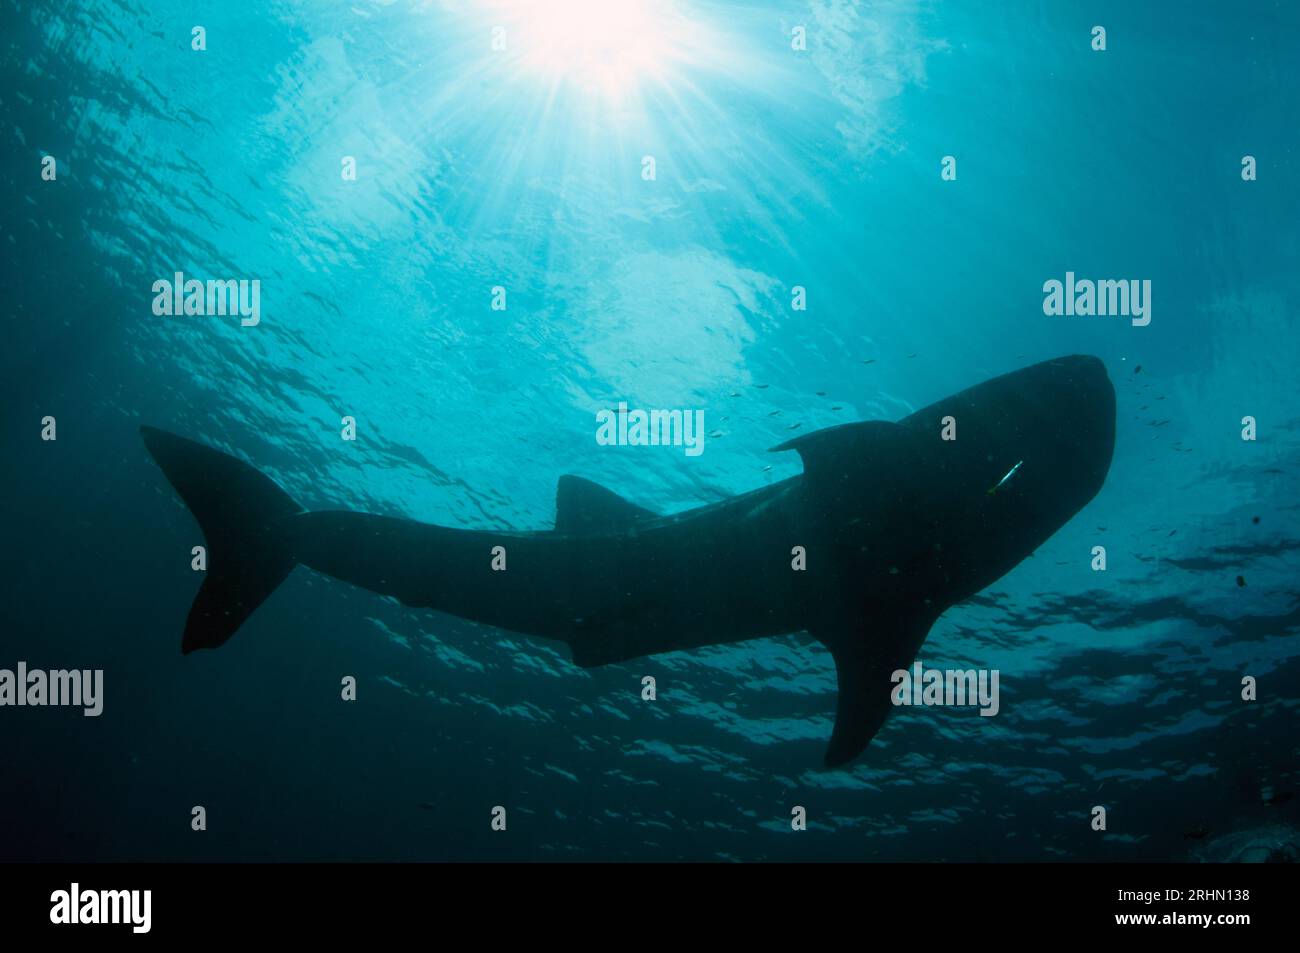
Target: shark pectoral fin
(865, 664)
(863, 704)
(585, 507)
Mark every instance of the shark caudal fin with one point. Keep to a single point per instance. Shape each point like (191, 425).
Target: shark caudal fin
(238, 510)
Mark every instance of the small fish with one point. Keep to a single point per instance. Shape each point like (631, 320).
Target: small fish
(1281, 797)
(1138, 369)
(821, 393)
(1241, 582)
(1255, 520)
(1010, 473)
(762, 386)
(1196, 833)
(870, 361)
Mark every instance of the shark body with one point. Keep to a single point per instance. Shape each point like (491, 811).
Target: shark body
(892, 524)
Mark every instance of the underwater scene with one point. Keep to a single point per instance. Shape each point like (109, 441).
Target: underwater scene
(485, 430)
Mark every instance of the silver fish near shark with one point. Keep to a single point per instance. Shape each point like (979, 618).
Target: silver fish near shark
(895, 525)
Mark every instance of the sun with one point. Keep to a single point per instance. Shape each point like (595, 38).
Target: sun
(605, 47)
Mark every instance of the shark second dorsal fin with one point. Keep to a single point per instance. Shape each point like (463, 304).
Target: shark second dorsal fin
(585, 507)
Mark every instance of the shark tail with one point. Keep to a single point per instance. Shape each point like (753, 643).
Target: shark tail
(242, 514)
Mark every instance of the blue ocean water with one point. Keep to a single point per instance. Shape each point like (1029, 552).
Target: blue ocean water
(775, 168)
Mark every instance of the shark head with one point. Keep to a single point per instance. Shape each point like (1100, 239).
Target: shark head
(1012, 460)
(916, 516)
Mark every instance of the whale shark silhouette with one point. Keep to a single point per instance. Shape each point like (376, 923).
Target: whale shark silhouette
(892, 522)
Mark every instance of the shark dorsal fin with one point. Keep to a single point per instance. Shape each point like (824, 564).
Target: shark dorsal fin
(867, 443)
(585, 507)
(871, 466)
